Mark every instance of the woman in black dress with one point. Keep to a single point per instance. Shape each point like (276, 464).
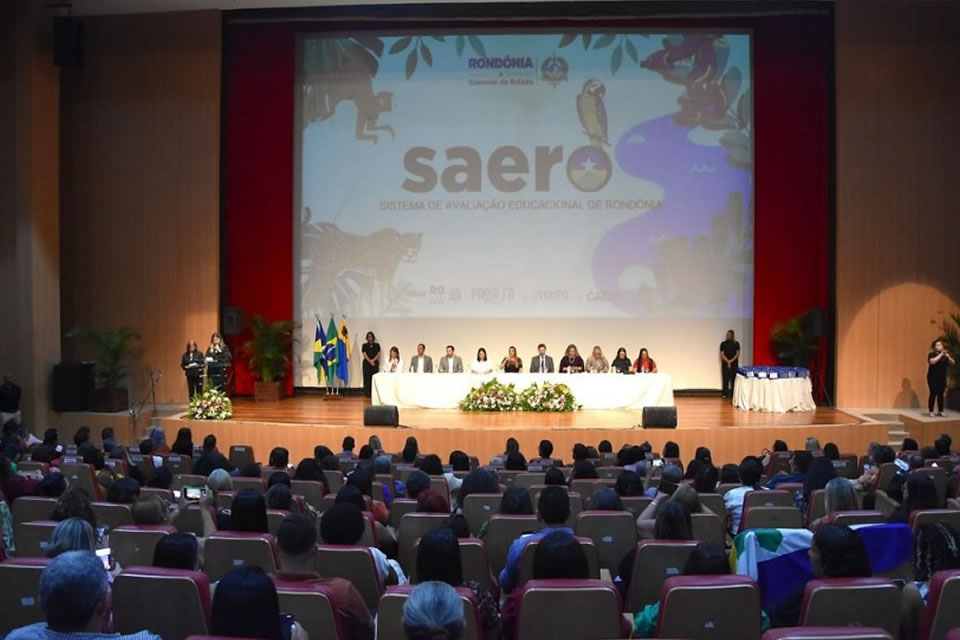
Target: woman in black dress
(512, 363)
(371, 361)
(218, 358)
(192, 364)
(729, 363)
(938, 361)
(571, 362)
(621, 364)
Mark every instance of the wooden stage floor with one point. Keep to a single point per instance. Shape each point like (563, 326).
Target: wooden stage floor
(302, 422)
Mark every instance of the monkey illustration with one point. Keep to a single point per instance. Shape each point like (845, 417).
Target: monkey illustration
(592, 112)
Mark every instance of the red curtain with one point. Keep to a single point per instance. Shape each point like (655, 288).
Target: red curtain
(792, 113)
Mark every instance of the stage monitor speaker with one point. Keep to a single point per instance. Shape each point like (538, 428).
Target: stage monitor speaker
(232, 321)
(385, 415)
(67, 42)
(72, 386)
(659, 417)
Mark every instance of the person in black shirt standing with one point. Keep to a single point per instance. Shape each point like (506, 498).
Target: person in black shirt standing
(192, 364)
(218, 359)
(938, 361)
(729, 360)
(371, 361)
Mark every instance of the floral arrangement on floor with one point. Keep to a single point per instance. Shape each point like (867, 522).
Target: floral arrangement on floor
(212, 404)
(496, 396)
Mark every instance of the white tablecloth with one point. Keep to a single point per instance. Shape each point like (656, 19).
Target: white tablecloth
(592, 390)
(779, 395)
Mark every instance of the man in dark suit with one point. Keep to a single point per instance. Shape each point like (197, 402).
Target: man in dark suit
(541, 363)
(421, 363)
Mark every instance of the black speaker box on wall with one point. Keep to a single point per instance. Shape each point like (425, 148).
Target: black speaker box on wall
(385, 415)
(67, 42)
(72, 386)
(659, 417)
(232, 321)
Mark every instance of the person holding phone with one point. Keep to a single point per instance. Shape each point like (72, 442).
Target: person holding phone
(939, 361)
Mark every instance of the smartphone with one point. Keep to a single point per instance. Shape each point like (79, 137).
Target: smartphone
(176, 494)
(657, 462)
(867, 467)
(194, 492)
(105, 557)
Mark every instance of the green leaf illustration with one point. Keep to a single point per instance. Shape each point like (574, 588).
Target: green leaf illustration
(604, 41)
(745, 108)
(586, 41)
(477, 46)
(426, 55)
(631, 51)
(460, 42)
(567, 39)
(411, 65)
(616, 60)
(401, 44)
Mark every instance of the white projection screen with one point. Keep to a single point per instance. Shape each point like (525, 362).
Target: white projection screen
(511, 188)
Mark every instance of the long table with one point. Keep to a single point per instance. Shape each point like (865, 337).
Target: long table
(592, 390)
(774, 389)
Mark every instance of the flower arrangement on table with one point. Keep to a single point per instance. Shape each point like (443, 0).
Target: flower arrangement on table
(496, 396)
(212, 404)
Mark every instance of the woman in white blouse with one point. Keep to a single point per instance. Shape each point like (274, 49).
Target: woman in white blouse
(393, 364)
(481, 364)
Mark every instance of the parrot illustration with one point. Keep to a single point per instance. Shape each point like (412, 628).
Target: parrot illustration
(593, 114)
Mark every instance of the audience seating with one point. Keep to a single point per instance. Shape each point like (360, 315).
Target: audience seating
(313, 606)
(412, 526)
(241, 454)
(390, 614)
(188, 520)
(182, 480)
(851, 602)
(589, 549)
(164, 494)
(171, 603)
(31, 537)
(851, 518)
(82, 475)
(939, 477)
(709, 607)
(714, 502)
(708, 527)
(509, 477)
(227, 550)
(143, 464)
(576, 503)
(779, 461)
(178, 464)
(225, 499)
(527, 479)
(942, 612)
(377, 493)
(28, 466)
(581, 609)
(334, 478)
(478, 507)
(587, 488)
(112, 515)
(399, 508)
(133, 545)
(723, 487)
(921, 517)
(772, 498)
(19, 584)
(818, 506)
(770, 518)
(474, 563)
(274, 518)
(354, 563)
(827, 633)
(635, 504)
(439, 484)
(656, 560)
(249, 484)
(847, 466)
(887, 471)
(30, 508)
(613, 532)
(609, 472)
(501, 533)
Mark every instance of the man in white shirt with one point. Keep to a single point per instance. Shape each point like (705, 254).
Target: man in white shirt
(451, 363)
(541, 363)
(751, 469)
(421, 363)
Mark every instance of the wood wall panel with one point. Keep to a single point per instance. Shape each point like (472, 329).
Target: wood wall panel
(140, 192)
(897, 216)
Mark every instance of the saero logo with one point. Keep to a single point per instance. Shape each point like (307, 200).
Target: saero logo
(505, 62)
(508, 169)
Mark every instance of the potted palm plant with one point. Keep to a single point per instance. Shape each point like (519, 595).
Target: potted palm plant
(269, 349)
(111, 352)
(793, 343)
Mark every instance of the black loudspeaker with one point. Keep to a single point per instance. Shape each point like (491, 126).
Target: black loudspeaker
(815, 322)
(659, 417)
(385, 415)
(72, 386)
(232, 321)
(67, 42)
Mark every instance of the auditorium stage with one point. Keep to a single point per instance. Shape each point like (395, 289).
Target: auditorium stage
(304, 421)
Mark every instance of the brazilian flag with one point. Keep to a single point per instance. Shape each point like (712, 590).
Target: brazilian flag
(330, 350)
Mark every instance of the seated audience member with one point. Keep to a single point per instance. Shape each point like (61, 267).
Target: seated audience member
(706, 479)
(607, 500)
(629, 484)
(392, 488)
(895, 488)
(670, 478)
(13, 485)
(479, 480)
(584, 470)
(553, 510)
(322, 451)
(159, 439)
(146, 447)
(821, 472)
(183, 445)
(459, 461)
(108, 438)
(418, 481)
(410, 451)
(837, 552)
(344, 523)
(871, 476)
(703, 455)
(604, 446)
(438, 559)
(220, 480)
(297, 553)
(210, 458)
(433, 611)
(730, 474)
(375, 444)
(279, 477)
(579, 452)
(936, 547)
(839, 495)
(72, 534)
(74, 503)
(693, 468)
(52, 486)
(812, 444)
(245, 605)
(799, 464)
(750, 471)
(909, 444)
(831, 451)
(667, 519)
(279, 459)
(160, 479)
(362, 478)
(544, 453)
(366, 452)
(431, 465)
(248, 512)
(919, 492)
(942, 447)
(349, 444)
(177, 551)
(515, 502)
(431, 501)
(74, 594)
(560, 556)
(309, 470)
(151, 509)
(124, 491)
(515, 462)
(250, 470)
(81, 437)
(386, 537)
(671, 450)
(592, 453)
(279, 497)
(554, 476)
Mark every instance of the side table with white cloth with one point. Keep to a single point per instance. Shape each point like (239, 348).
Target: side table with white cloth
(775, 389)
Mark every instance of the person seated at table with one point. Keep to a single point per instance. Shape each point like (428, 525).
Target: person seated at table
(512, 363)
(421, 363)
(644, 363)
(541, 363)
(450, 363)
(393, 363)
(621, 364)
(571, 362)
(596, 363)
(481, 364)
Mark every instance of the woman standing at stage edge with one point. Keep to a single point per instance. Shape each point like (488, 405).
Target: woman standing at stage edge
(729, 362)
(938, 361)
(371, 361)
(192, 365)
